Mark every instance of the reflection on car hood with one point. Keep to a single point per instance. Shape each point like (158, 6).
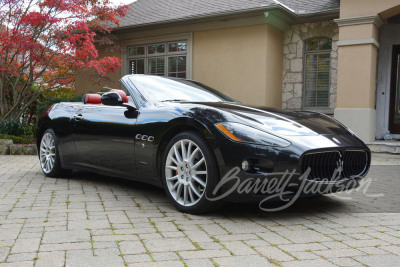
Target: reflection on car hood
(286, 123)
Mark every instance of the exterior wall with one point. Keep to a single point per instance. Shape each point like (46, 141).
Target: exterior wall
(357, 68)
(358, 44)
(86, 80)
(293, 75)
(356, 8)
(244, 62)
(359, 31)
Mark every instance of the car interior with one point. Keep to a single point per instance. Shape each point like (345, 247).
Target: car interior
(95, 99)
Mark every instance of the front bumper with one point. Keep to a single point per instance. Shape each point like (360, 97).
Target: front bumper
(283, 179)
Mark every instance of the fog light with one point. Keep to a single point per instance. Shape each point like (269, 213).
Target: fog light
(245, 165)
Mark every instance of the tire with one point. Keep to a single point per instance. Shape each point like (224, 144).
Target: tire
(189, 174)
(49, 156)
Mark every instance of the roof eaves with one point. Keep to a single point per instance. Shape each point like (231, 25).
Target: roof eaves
(207, 15)
(292, 13)
(283, 6)
(321, 12)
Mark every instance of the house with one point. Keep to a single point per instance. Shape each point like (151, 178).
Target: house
(337, 57)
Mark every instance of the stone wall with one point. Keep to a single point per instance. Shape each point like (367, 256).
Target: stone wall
(293, 61)
(7, 147)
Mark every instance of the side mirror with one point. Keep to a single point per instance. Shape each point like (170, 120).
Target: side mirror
(111, 99)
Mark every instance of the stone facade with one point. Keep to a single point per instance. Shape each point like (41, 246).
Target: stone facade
(293, 74)
(21, 149)
(7, 147)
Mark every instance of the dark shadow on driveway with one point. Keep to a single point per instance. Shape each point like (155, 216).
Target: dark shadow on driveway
(379, 194)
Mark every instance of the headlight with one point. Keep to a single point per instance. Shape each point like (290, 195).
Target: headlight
(242, 133)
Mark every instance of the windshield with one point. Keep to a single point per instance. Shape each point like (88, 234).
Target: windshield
(162, 89)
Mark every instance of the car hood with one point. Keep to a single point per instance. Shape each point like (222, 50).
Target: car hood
(278, 122)
(309, 129)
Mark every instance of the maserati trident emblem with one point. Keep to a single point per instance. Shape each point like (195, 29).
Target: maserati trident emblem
(339, 167)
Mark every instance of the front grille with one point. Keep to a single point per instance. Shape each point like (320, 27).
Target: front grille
(323, 165)
(355, 163)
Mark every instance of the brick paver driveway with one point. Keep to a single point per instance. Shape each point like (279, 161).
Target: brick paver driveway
(88, 220)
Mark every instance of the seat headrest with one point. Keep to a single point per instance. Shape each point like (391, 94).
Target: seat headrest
(92, 99)
(122, 94)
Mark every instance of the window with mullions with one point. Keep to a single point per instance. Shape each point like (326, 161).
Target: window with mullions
(317, 67)
(163, 59)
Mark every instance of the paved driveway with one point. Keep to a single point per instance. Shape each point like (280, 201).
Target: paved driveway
(88, 220)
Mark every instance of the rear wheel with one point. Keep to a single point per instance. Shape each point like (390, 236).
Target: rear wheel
(49, 156)
(189, 172)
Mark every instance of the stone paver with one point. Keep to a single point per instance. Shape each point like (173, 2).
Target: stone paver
(92, 220)
(59, 237)
(169, 244)
(26, 245)
(240, 261)
(54, 259)
(379, 260)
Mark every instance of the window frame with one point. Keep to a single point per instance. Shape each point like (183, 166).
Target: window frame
(146, 70)
(188, 38)
(138, 58)
(327, 109)
(177, 52)
(146, 54)
(167, 66)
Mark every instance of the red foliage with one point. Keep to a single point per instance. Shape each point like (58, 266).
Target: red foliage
(56, 35)
(44, 42)
(37, 19)
(105, 65)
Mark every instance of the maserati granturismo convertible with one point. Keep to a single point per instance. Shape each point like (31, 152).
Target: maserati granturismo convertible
(202, 146)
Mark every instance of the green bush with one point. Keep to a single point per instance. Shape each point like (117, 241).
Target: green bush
(54, 96)
(24, 139)
(14, 127)
(43, 105)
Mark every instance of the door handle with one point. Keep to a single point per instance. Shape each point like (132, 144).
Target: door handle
(78, 117)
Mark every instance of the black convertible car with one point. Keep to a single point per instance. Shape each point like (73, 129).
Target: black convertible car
(187, 137)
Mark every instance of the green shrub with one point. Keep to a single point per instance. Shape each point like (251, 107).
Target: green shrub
(19, 139)
(14, 127)
(54, 96)
(43, 105)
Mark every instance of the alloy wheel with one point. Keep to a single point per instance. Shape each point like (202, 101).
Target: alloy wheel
(47, 152)
(186, 172)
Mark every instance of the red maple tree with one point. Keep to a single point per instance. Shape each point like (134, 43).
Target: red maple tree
(44, 42)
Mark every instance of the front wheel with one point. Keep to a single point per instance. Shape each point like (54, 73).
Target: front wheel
(189, 173)
(49, 156)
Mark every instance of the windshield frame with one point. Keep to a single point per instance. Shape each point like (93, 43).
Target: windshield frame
(129, 83)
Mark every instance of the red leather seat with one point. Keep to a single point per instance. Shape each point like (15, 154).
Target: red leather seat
(94, 99)
(124, 97)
